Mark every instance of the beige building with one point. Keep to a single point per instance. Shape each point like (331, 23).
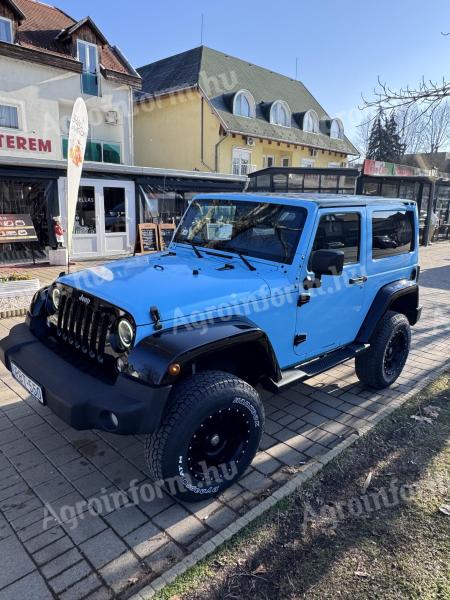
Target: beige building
(204, 110)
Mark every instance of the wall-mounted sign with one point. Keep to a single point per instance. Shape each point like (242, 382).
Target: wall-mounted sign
(379, 168)
(17, 228)
(27, 144)
(148, 237)
(165, 234)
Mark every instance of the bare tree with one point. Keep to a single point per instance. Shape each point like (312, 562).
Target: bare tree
(428, 94)
(412, 126)
(437, 133)
(363, 135)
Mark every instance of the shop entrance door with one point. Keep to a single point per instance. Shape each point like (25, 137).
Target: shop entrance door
(104, 219)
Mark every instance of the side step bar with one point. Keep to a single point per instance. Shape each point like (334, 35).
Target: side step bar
(317, 365)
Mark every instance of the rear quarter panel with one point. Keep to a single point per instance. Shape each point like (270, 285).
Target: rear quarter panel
(386, 270)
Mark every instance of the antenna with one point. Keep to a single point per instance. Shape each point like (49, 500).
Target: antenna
(296, 68)
(201, 31)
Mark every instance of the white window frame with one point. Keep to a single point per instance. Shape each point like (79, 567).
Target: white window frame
(250, 166)
(307, 163)
(251, 102)
(19, 116)
(273, 110)
(266, 161)
(97, 67)
(11, 30)
(337, 123)
(311, 113)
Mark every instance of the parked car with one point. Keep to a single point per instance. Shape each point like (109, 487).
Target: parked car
(254, 290)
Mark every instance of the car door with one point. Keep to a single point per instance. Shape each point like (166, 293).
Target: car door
(329, 315)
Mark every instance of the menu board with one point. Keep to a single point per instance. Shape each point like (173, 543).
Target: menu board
(17, 228)
(148, 237)
(166, 231)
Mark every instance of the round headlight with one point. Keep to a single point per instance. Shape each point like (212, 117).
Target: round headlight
(56, 297)
(125, 333)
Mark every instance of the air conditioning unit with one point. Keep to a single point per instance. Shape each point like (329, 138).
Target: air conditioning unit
(112, 117)
(251, 141)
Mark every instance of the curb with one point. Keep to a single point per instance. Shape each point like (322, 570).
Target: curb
(285, 490)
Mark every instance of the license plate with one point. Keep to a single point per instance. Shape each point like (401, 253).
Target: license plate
(29, 384)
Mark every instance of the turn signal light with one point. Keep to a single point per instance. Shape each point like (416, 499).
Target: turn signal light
(174, 369)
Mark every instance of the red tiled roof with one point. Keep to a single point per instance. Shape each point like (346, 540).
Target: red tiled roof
(41, 27)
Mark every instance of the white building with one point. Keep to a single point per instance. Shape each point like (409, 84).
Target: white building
(47, 60)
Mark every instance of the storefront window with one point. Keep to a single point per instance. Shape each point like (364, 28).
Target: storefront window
(39, 199)
(295, 182)
(312, 182)
(389, 190)
(280, 182)
(443, 212)
(407, 191)
(329, 182)
(371, 189)
(85, 222)
(263, 182)
(347, 184)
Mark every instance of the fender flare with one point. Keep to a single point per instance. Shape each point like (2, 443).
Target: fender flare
(384, 300)
(150, 359)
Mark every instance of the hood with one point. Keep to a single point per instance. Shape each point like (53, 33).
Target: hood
(171, 284)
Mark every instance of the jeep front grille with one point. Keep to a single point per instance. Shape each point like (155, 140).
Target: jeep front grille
(84, 327)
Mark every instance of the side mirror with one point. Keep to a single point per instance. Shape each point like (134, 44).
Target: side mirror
(327, 262)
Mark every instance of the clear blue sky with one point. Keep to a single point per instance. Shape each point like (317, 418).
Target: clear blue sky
(342, 46)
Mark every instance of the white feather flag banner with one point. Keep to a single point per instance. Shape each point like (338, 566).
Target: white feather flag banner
(78, 133)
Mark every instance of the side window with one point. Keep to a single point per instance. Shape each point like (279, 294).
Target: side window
(392, 233)
(340, 231)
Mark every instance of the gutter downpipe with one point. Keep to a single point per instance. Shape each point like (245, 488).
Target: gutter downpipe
(216, 152)
(202, 131)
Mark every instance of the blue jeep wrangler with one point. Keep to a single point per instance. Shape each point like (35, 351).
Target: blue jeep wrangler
(254, 290)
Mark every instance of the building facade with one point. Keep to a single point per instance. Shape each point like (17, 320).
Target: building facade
(208, 111)
(47, 60)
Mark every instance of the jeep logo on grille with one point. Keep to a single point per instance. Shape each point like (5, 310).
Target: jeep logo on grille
(84, 300)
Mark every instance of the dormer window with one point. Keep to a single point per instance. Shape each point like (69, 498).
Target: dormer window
(88, 56)
(337, 129)
(244, 104)
(6, 30)
(311, 122)
(280, 113)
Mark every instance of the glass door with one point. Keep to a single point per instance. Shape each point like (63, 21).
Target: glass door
(86, 241)
(115, 220)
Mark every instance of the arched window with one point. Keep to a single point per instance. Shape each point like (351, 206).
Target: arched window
(244, 104)
(311, 122)
(337, 129)
(280, 113)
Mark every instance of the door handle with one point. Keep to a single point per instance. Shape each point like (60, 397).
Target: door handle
(358, 280)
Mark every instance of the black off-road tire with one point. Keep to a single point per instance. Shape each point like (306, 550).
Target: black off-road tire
(374, 368)
(203, 403)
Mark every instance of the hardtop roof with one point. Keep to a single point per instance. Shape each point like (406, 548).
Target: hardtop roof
(321, 200)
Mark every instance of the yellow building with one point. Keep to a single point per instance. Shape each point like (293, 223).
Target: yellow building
(204, 110)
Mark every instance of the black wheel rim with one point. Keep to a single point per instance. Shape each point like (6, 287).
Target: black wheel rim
(395, 354)
(219, 444)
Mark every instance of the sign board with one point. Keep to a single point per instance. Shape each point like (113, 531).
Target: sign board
(166, 231)
(378, 168)
(17, 228)
(148, 237)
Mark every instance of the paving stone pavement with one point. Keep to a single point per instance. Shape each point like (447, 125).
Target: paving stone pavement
(104, 555)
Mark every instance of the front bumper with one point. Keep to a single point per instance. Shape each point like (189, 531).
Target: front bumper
(78, 398)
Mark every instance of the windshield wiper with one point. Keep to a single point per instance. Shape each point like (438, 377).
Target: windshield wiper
(246, 262)
(195, 249)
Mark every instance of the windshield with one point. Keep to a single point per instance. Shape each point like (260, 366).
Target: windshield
(259, 229)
